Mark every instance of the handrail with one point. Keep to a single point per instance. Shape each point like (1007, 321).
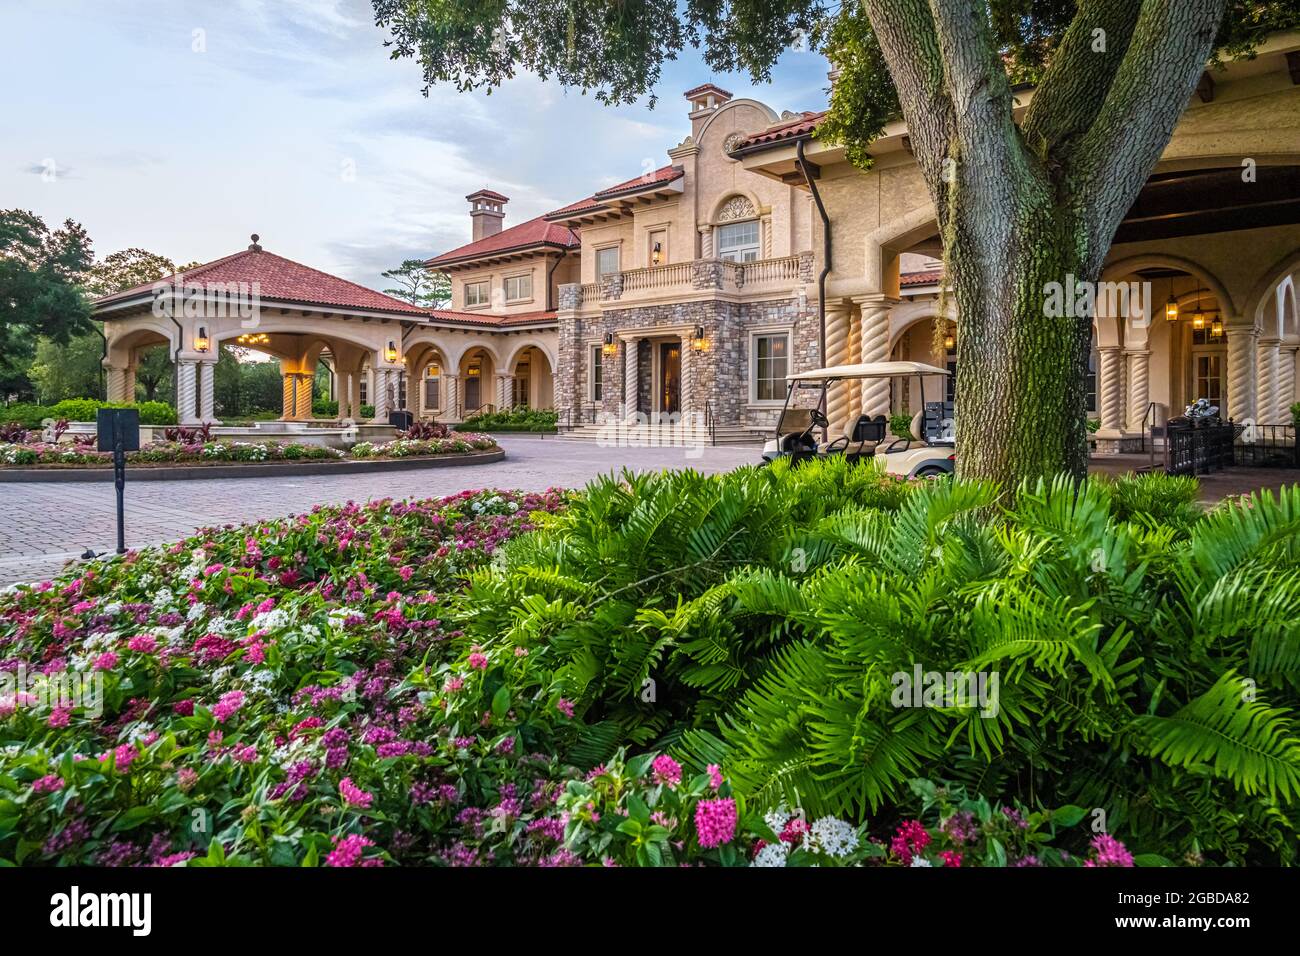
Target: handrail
(710, 422)
(1150, 413)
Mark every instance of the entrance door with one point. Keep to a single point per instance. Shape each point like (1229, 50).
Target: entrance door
(471, 393)
(670, 378)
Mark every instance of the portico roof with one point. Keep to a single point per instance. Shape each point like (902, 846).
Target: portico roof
(277, 280)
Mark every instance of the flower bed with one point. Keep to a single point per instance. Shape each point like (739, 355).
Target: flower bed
(43, 454)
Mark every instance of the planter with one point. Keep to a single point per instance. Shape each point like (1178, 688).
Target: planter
(166, 471)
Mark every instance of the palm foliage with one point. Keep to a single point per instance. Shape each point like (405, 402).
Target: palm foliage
(1143, 656)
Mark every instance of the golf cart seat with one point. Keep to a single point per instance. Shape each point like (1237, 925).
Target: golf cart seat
(847, 447)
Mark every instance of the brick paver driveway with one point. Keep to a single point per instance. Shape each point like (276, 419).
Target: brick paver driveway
(44, 525)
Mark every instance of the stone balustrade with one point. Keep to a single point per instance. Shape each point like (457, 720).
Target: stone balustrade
(778, 275)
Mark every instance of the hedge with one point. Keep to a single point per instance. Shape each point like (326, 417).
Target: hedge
(83, 410)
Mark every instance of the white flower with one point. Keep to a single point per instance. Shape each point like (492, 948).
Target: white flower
(777, 819)
(774, 854)
(833, 837)
(921, 861)
(273, 620)
(196, 611)
(163, 598)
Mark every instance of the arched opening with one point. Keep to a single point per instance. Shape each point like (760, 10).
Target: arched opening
(477, 371)
(531, 380)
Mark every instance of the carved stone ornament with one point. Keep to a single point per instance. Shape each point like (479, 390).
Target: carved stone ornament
(737, 207)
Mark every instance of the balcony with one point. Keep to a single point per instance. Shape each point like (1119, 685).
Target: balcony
(758, 278)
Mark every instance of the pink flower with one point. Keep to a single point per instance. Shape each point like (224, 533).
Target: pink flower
(229, 705)
(60, 717)
(48, 784)
(912, 837)
(354, 795)
(715, 821)
(405, 572)
(124, 756)
(144, 643)
(565, 707)
(106, 661)
(1110, 852)
(348, 850)
(666, 770)
(715, 775)
(951, 858)
(183, 708)
(186, 779)
(478, 661)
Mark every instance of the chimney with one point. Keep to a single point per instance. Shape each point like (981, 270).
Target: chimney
(487, 210)
(704, 101)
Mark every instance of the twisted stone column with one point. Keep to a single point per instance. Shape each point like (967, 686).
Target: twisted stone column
(1266, 368)
(380, 400)
(875, 348)
(706, 242)
(1241, 370)
(206, 410)
(505, 393)
(303, 396)
(1112, 395)
(630, 368)
(855, 356)
(186, 403)
(114, 383)
(1139, 393)
(452, 395)
(837, 353)
(1286, 381)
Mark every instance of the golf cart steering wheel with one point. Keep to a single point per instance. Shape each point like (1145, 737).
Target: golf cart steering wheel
(819, 418)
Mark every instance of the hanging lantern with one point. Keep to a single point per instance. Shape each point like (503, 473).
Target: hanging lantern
(610, 346)
(201, 342)
(390, 353)
(1216, 328)
(1171, 310)
(1198, 317)
(697, 339)
(949, 341)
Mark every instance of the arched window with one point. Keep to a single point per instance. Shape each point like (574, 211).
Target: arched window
(738, 237)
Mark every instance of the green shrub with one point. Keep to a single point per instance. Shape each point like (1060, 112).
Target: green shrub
(29, 416)
(901, 425)
(515, 420)
(84, 409)
(325, 409)
(367, 411)
(1145, 656)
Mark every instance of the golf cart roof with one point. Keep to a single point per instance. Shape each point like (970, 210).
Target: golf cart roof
(867, 370)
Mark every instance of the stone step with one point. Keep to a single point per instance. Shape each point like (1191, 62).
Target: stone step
(666, 434)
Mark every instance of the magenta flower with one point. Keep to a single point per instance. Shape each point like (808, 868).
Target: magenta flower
(715, 821)
(715, 775)
(60, 717)
(48, 784)
(144, 643)
(478, 661)
(348, 850)
(229, 705)
(912, 837)
(106, 661)
(354, 795)
(666, 770)
(1110, 852)
(565, 707)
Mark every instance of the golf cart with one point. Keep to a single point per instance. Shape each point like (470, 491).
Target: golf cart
(918, 456)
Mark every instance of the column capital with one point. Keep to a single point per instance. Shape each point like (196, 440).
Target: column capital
(879, 299)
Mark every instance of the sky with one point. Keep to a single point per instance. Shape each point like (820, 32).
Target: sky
(183, 126)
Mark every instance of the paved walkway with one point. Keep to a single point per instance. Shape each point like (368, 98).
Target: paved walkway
(44, 525)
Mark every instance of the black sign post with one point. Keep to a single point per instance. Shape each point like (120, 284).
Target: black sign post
(119, 432)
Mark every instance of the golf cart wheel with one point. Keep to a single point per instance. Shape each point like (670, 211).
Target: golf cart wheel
(932, 471)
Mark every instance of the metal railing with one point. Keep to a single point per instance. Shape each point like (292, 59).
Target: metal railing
(1267, 446)
(483, 409)
(711, 422)
(1200, 449)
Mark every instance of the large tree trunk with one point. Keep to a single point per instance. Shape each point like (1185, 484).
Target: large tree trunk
(1020, 374)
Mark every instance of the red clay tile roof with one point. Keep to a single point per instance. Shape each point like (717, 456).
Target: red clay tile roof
(664, 174)
(534, 232)
(489, 194)
(928, 277)
(500, 321)
(801, 125)
(283, 280)
(704, 88)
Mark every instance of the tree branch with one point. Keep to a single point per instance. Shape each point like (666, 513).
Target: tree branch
(1171, 43)
(906, 34)
(1079, 75)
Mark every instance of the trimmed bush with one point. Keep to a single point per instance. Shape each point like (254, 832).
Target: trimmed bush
(84, 409)
(515, 420)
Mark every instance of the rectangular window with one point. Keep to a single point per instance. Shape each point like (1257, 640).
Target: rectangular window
(476, 293)
(738, 241)
(1209, 379)
(364, 389)
(519, 387)
(771, 365)
(519, 287)
(606, 261)
(596, 379)
(1090, 386)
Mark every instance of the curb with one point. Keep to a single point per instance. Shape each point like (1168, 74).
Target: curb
(293, 469)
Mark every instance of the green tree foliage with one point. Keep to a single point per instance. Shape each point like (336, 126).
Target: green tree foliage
(417, 285)
(1146, 653)
(71, 370)
(41, 272)
(126, 269)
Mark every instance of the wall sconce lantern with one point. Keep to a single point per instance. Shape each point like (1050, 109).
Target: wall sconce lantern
(201, 342)
(697, 339)
(390, 353)
(610, 347)
(657, 254)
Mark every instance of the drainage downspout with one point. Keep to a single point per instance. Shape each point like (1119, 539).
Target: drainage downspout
(550, 272)
(826, 263)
